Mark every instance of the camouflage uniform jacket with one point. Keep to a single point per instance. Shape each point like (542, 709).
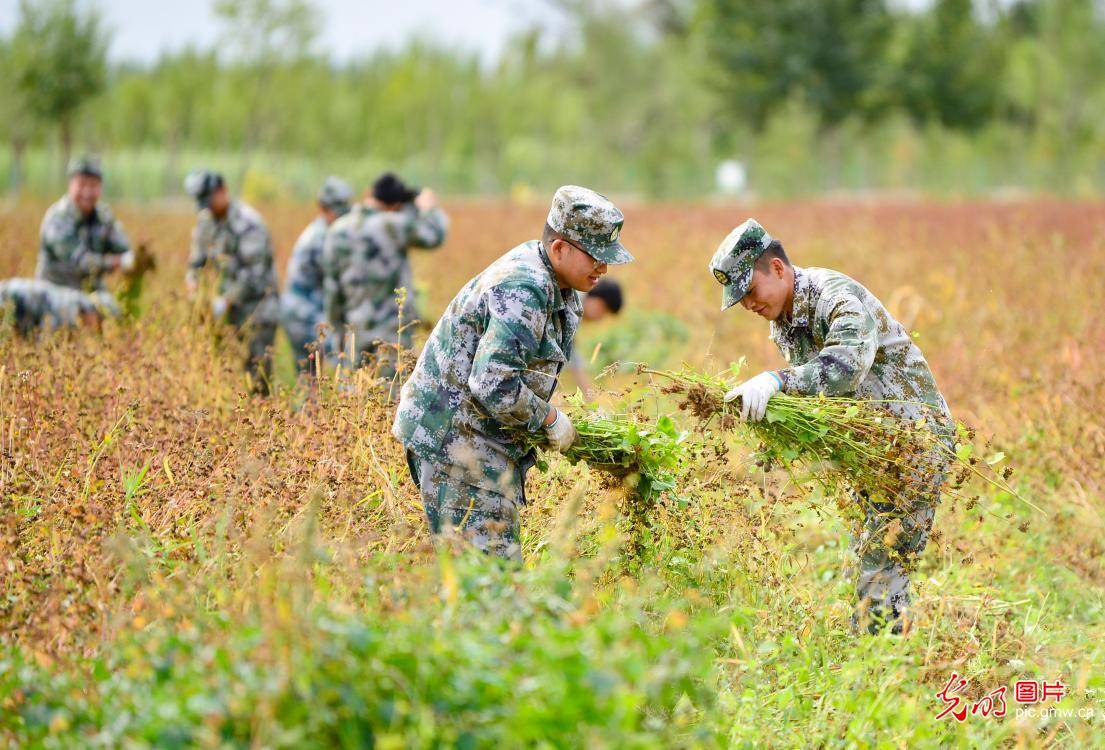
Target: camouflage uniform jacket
(841, 341)
(490, 367)
(302, 299)
(73, 249)
(240, 248)
(365, 261)
(35, 303)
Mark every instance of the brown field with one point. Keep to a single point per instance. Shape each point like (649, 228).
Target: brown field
(1004, 298)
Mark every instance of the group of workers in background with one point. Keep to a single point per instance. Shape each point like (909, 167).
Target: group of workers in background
(348, 290)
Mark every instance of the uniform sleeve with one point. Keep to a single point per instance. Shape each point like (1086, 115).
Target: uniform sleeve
(846, 357)
(253, 278)
(197, 255)
(516, 320)
(427, 229)
(115, 244)
(333, 301)
(46, 251)
(117, 241)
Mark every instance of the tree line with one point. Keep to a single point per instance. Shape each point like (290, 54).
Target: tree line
(646, 97)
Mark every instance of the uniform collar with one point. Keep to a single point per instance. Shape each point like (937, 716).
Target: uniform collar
(802, 305)
(559, 302)
(73, 211)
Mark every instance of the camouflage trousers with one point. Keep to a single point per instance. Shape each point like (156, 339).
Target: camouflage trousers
(486, 518)
(301, 335)
(888, 547)
(259, 338)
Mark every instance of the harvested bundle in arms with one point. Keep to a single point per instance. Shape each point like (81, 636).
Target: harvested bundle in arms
(849, 444)
(624, 446)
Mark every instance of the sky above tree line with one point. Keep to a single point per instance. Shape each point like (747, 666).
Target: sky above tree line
(350, 28)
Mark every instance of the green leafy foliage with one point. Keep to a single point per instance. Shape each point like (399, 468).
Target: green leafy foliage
(856, 450)
(483, 656)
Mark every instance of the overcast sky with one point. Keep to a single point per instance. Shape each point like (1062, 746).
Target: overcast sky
(145, 27)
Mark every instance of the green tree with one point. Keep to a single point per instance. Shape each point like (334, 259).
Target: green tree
(59, 59)
(15, 124)
(951, 67)
(265, 39)
(763, 52)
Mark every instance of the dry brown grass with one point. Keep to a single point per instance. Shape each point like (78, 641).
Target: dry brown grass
(1003, 298)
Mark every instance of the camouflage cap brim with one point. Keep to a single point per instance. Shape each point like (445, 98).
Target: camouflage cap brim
(613, 254)
(733, 293)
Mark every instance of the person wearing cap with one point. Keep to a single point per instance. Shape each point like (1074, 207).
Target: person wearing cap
(231, 237)
(839, 340)
(32, 305)
(490, 367)
(604, 300)
(80, 239)
(366, 264)
(301, 304)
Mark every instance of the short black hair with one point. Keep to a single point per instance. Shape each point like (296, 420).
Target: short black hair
(774, 250)
(610, 292)
(548, 235)
(390, 189)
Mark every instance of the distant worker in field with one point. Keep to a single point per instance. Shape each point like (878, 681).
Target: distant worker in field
(301, 305)
(604, 300)
(366, 265)
(490, 367)
(80, 239)
(840, 341)
(32, 305)
(232, 238)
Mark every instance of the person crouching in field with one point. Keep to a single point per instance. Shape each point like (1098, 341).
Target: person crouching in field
(490, 367)
(80, 239)
(232, 238)
(301, 304)
(33, 305)
(365, 266)
(840, 340)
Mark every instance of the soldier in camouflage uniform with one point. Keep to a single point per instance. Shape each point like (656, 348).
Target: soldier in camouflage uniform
(840, 341)
(301, 305)
(80, 240)
(31, 305)
(365, 263)
(490, 367)
(232, 237)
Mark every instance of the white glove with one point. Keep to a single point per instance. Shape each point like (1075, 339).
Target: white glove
(126, 261)
(754, 395)
(219, 307)
(561, 433)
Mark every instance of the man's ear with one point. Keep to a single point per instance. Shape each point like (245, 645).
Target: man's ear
(779, 268)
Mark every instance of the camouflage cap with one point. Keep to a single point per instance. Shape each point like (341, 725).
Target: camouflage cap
(89, 164)
(201, 184)
(590, 219)
(335, 194)
(733, 262)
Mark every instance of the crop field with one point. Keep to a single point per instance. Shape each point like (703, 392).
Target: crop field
(183, 564)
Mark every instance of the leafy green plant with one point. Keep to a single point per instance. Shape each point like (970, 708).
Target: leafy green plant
(624, 446)
(855, 449)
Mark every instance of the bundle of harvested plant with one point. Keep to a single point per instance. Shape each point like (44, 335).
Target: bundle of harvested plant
(848, 444)
(625, 446)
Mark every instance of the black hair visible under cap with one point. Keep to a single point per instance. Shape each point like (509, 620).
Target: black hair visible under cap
(388, 188)
(610, 292)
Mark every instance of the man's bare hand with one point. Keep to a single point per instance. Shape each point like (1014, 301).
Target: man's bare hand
(425, 200)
